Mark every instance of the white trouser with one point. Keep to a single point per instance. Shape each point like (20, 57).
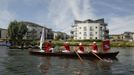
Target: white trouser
(51, 49)
(65, 51)
(79, 51)
(41, 50)
(94, 51)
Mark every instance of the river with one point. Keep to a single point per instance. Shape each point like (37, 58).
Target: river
(20, 62)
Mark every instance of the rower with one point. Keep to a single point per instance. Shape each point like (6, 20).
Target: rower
(66, 47)
(94, 47)
(48, 47)
(51, 46)
(81, 48)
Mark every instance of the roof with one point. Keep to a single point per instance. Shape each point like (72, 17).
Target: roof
(34, 24)
(2, 29)
(91, 21)
(128, 32)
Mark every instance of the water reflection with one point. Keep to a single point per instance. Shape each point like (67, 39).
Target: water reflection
(18, 62)
(45, 65)
(53, 65)
(67, 66)
(99, 67)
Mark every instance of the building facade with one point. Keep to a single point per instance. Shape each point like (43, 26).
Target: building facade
(89, 29)
(116, 37)
(35, 30)
(128, 36)
(60, 35)
(3, 33)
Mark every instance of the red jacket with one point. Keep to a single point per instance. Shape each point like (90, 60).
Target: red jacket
(47, 46)
(66, 46)
(81, 48)
(94, 47)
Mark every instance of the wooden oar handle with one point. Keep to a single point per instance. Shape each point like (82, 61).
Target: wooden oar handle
(97, 56)
(75, 50)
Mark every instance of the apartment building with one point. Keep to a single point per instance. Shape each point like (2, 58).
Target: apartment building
(128, 36)
(35, 30)
(3, 33)
(60, 35)
(116, 37)
(89, 29)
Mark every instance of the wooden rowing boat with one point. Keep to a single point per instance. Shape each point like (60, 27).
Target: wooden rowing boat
(73, 54)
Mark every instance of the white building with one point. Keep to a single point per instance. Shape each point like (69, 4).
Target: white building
(128, 36)
(89, 29)
(3, 33)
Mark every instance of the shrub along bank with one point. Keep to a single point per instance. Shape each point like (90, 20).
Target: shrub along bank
(99, 43)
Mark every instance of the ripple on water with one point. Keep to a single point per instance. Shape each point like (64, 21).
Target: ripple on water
(19, 62)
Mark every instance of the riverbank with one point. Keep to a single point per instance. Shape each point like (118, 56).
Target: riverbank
(99, 43)
(75, 43)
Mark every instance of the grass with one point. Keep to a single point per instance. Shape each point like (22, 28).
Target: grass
(87, 43)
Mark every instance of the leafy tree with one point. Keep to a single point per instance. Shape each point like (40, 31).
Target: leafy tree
(22, 30)
(16, 32)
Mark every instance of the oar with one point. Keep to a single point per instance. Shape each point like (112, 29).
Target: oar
(97, 56)
(81, 60)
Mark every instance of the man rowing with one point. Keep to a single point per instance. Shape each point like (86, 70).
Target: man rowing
(48, 47)
(66, 47)
(94, 47)
(80, 48)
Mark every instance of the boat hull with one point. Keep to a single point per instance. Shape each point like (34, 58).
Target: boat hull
(73, 54)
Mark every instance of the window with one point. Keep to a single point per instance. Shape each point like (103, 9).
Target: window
(79, 27)
(101, 28)
(95, 37)
(79, 37)
(96, 27)
(85, 28)
(95, 32)
(85, 34)
(91, 34)
(79, 32)
(84, 37)
(91, 29)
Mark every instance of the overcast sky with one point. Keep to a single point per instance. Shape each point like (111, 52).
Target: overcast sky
(60, 14)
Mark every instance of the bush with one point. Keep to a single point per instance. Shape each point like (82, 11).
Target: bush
(88, 40)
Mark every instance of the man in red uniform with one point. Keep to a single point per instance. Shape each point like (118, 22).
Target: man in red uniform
(81, 48)
(94, 47)
(67, 47)
(48, 47)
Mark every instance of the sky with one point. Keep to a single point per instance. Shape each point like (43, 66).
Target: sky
(59, 15)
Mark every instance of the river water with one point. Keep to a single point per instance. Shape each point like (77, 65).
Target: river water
(20, 62)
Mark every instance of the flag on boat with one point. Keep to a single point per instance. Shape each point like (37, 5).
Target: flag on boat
(42, 39)
(106, 45)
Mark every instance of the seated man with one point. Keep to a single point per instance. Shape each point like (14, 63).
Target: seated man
(48, 47)
(51, 46)
(80, 48)
(94, 47)
(66, 47)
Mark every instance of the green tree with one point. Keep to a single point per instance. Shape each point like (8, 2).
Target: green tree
(16, 32)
